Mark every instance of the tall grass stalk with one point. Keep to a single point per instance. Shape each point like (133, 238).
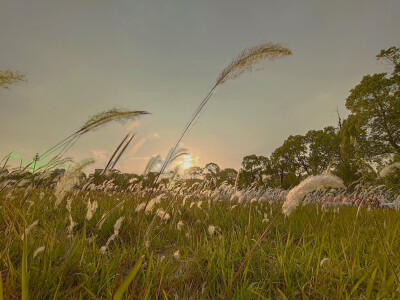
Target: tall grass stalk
(384, 247)
(242, 265)
(93, 123)
(242, 63)
(127, 281)
(115, 152)
(1, 287)
(24, 270)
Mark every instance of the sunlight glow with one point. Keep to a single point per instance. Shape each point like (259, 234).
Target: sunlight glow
(187, 162)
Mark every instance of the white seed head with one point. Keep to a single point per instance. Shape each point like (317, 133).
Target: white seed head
(211, 230)
(179, 225)
(308, 185)
(389, 169)
(37, 251)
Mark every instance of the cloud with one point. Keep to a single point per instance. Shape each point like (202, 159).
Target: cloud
(134, 124)
(142, 141)
(154, 135)
(99, 155)
(137, 146)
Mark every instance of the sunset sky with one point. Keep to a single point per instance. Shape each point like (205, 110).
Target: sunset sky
(83, 57)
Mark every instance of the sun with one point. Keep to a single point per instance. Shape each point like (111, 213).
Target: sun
(187, 162)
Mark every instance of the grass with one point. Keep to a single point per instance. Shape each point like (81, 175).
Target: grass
(286, 265)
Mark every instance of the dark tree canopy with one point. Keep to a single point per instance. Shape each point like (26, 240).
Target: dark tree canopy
(375, 105)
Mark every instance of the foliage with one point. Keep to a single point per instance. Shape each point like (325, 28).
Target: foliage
(8, 78)
(375, 105)
(288, 258)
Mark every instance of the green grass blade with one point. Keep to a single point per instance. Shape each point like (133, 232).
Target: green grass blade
(127, 281)
(1, 287)
(371, 284)
(24, 272)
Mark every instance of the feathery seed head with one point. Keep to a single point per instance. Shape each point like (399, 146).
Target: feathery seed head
(177, 254)
(37, 251)
(246, 61)
(308, 185)
(115, 114)
(389, 169)
(211, 230)
(70, 178)
(179, 225)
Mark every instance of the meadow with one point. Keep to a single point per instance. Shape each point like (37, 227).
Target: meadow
(66, 237)
(77, 250)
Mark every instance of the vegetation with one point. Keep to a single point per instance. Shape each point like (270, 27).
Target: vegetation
(9, 77)
(287, 263)
(211, 232)
(361, 145)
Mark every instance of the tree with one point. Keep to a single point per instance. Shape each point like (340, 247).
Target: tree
(228, 175)
(323, 149)
(253, 169)
(290, 161)
(375, 105)
(8, 78)
(392, 57)
(350, 155)
(194, 172)
(211, 171)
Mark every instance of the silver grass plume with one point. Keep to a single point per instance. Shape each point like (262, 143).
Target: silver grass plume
(70, 178)
(28, 229)
(235, 186)
(162, 214)
(242, 63)
(389, 169)
(37, 251)
(117, 227)
(94, 122)
(152, 163)
(308, 185)
(91, 209)
(246, 60)
(112, 115)
(155, 161)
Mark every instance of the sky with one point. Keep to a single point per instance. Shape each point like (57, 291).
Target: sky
(163, 56)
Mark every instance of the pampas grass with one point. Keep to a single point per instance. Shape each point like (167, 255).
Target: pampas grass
(9, 77)
(103, 118)
(28, 229)
(389, 169)
(308, 185)
(37, 251)
(94, 122)
(293, 199)
(153, 163)
(91, 209)
(246, 60)
(70, 178)
(163, 215)
(289, 254)
(117, 227)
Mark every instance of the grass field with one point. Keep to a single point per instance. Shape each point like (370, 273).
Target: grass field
(194, 251)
